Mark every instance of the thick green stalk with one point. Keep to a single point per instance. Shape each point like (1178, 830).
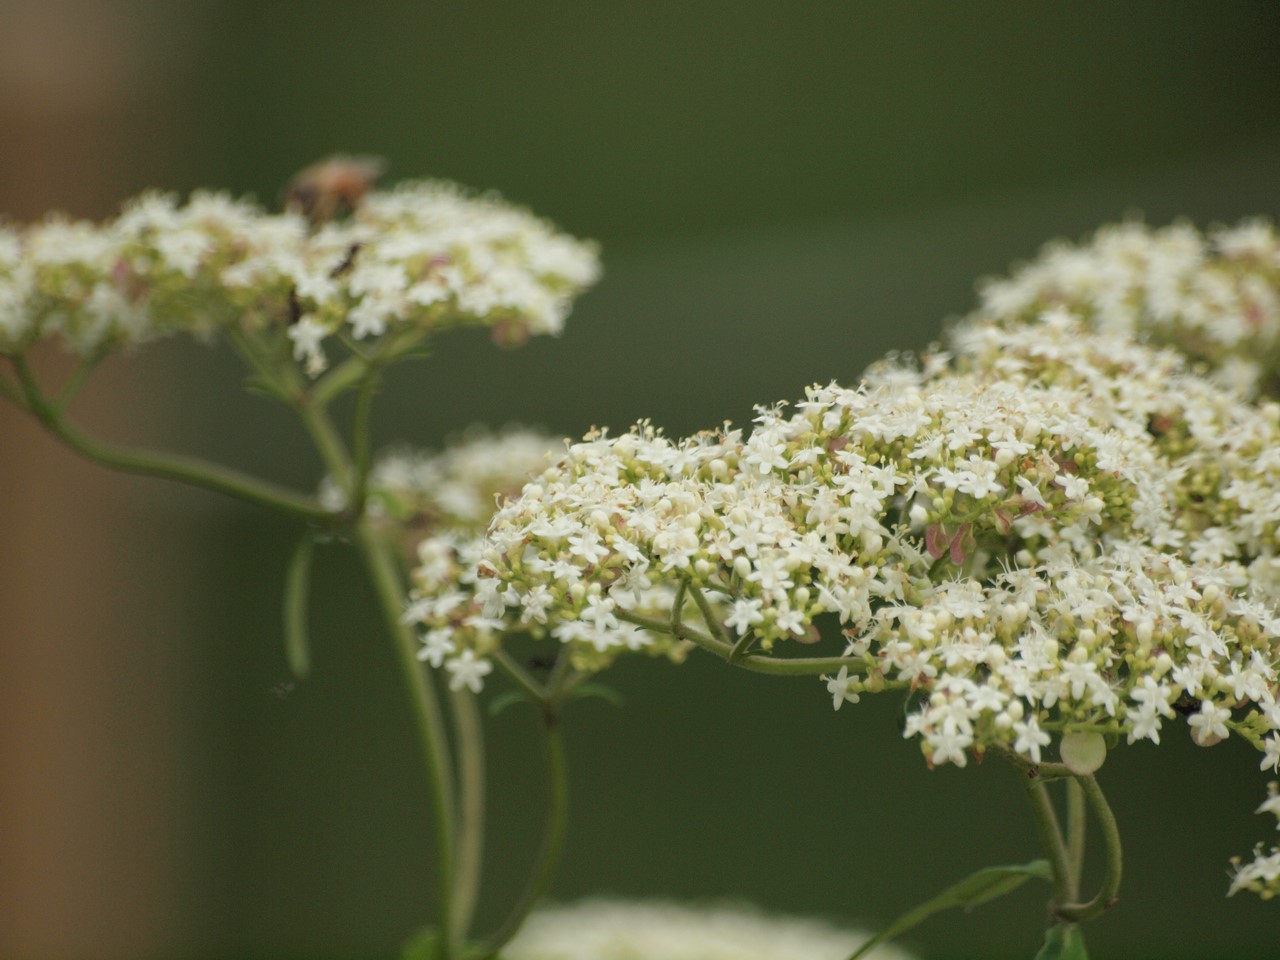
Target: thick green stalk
(1076, 827)
(384, 573)
(471, 777)
(552, 838)
(361, 448)
(1050, 839)
(427, 718)
(323, 434)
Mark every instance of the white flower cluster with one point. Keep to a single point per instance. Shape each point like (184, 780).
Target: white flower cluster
(444, 502)
(455, 489)
(1262, 874)
(619, 930)
(1215, 296)
(424, 256)
(1025, 555)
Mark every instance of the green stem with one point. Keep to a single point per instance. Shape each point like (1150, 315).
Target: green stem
(552, 837)
(79, 375)
(1050, 838)
(471, 776)
(339, 380)
(677, 607)
(1107, 893)
(323, 434)
(362, 454)
(756, 662)
(191, 471)
(427, 718)
(519, 674)
(709, 617)
(1076, 827)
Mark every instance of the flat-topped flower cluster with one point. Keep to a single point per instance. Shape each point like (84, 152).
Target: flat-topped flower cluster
(1023, 554)
(1213, 295)
(445, 501)
(421, 257)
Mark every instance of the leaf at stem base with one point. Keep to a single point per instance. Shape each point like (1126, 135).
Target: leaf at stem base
(972, 891)
(1064, 941)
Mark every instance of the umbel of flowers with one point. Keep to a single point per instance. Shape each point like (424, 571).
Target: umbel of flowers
(1045, 532)
(423, 257)
(1214, 295)
(318, 301)
(1050, 538)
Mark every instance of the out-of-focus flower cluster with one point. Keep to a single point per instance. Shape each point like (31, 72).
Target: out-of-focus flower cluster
(1214, 296)
(425, 256)
(456, 489)
(445, 501)
(618, 930)
(1028, 556)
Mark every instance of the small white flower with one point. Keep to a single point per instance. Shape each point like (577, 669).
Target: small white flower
(842, 688)
(468, 671)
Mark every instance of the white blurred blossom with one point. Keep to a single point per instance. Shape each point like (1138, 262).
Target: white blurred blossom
(425, 257)
(620, 930)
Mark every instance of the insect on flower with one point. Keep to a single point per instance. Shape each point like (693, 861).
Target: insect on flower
(332, 187)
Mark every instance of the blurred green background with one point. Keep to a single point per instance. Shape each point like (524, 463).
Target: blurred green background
(783, 192)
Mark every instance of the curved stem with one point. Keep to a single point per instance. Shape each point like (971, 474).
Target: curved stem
(552, 837)
(1050, 838)
(756, 662)
(471, 776)
(1107, 893)
(709, 617)
(1076, 827)
(191, 471)
(427, 719)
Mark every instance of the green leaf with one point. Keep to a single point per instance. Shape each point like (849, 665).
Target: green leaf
(972, 891)
(506, 699)
(424, 945)
(1063, 942)
(297, 588)
(607, 694)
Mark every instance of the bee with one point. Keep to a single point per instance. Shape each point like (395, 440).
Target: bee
(332, 187)
(282, 689)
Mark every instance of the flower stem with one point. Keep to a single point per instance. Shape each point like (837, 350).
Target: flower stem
(756, 662)
(360, 442)
(191, 471)
(1076, 827)
(471, 809)
(709, 618)
(1050, 839)
(519, 674)
(427, 718)
(552, 836)
(1107, 893)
